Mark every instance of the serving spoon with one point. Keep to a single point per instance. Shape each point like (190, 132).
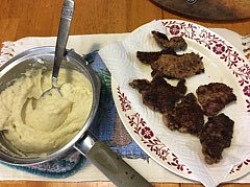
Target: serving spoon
(61, 42)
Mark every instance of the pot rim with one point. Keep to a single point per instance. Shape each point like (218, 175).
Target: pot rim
(96, 86)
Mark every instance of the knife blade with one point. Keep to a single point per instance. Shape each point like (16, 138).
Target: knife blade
(221, 10)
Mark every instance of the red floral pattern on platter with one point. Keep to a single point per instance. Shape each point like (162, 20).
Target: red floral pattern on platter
(147, 136)
(240, 166)
(154, 144)
(240, 68)
(233, 61)
(125, 103)
(175, 162)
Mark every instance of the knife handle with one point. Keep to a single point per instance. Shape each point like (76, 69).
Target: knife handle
(111, 165)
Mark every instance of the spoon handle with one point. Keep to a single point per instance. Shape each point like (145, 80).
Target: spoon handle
(62, 37)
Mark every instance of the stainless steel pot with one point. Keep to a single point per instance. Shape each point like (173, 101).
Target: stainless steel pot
(118, 171)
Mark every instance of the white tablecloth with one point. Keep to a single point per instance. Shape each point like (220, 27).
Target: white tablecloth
(84, 44)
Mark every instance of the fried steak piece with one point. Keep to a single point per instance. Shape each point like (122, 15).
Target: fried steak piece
(167, 63)
(213, 97)
(187, 116)
(176, 43)
(178, 66)
(150, 57)
(215, 136)
(159, 95)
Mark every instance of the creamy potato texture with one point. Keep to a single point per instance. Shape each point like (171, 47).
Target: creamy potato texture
(36, 124)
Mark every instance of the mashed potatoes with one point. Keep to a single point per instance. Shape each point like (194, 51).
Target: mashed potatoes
(38, 125)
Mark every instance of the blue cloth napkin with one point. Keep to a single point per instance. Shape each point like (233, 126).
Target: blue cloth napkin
(104, 130)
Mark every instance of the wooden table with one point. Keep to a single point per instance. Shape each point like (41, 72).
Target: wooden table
(20, 18)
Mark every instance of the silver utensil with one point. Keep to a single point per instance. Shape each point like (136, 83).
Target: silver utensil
(62, 39)
(99, 153)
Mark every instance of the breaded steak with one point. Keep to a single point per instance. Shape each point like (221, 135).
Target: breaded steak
(178, 66)
(158, 95)
(215, 137)
(213, 97)
(187, 116)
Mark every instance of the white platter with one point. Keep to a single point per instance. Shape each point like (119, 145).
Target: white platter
(223, 63)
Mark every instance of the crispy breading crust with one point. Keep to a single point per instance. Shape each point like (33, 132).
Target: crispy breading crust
(187, 116)
(178, 66)
(158, 95)
(215, 137)
(176, 43)
(213, 97)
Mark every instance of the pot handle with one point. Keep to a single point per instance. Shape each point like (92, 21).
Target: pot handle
(109, 163)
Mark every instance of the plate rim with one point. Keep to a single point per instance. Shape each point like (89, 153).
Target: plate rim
(237, 172)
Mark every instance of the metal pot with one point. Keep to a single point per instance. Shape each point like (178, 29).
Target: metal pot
(118, 171)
